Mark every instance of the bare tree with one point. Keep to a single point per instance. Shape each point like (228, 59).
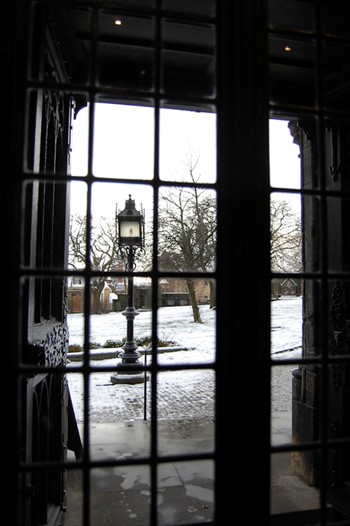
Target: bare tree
(286, 237)
(103, 252)
(187, 231)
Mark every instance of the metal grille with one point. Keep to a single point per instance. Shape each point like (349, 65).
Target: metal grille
(210, 57)
(88, 60)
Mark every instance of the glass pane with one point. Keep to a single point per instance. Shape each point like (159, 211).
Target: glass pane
(284, 155)
(121, 492)
(188, 63)
(75, 383)
(119, 438)
(186, 436)
(285, 238)
(186, 321)
(75, 315)
(334, 63)
(311, 216)
(108, 248)
(186, 493)
(187, 146)
(187, 229)
(107, 199)
(290, 494)
(339, 317)
(286, 320)
(78, 199)
(291, 15)
(337, 234)
(74, 498)
(80, 143)
(338, 459)
(294, 150)
(335, 20)
(44, 224)
(292, 71)
(123, 144)
(46, 336)
(296, 420)
(286, 344)
(77, 235)
(73, 28)
(191, 392)
(126, 51)
(195, 7)
(108, 326)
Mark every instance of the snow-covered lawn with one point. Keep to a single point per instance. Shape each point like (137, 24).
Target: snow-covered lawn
(176, 324)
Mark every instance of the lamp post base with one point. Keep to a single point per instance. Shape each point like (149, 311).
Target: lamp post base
(125, 373)
(129, 378)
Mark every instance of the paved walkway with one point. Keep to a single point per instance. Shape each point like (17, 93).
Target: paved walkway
(185, 490)
(180, 395)
(185, 415)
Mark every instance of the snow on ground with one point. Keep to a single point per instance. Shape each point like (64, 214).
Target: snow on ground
(176, 324)
(286, 341)
(286, 319)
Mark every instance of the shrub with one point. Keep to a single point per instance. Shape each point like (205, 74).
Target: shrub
(146, 340)
(112, 343)
(94, 345)
(75, 348)
(109, 344)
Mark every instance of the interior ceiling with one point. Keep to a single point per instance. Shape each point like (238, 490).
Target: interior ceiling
(125, 53)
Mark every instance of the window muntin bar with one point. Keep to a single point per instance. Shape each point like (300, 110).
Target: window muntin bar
(282, 104)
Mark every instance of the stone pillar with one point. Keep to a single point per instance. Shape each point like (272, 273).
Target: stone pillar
(305, 399)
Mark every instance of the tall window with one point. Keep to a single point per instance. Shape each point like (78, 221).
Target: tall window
(312, 52)
(151, 262)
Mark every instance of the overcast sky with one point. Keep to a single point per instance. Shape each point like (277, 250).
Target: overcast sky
(124, 148)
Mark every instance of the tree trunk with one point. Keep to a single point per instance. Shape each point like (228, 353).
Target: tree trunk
(193, 300)
(96, 305)
(212, 294)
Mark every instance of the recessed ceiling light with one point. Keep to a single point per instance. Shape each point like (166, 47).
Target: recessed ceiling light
(117, 22)
(287, 49)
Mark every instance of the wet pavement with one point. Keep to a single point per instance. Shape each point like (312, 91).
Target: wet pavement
(120, 430)
(185, 492)
(184, 489)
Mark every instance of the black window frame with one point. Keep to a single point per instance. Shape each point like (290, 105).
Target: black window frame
(242, 366)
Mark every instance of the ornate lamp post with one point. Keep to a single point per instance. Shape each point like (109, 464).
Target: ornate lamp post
(130, 225)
